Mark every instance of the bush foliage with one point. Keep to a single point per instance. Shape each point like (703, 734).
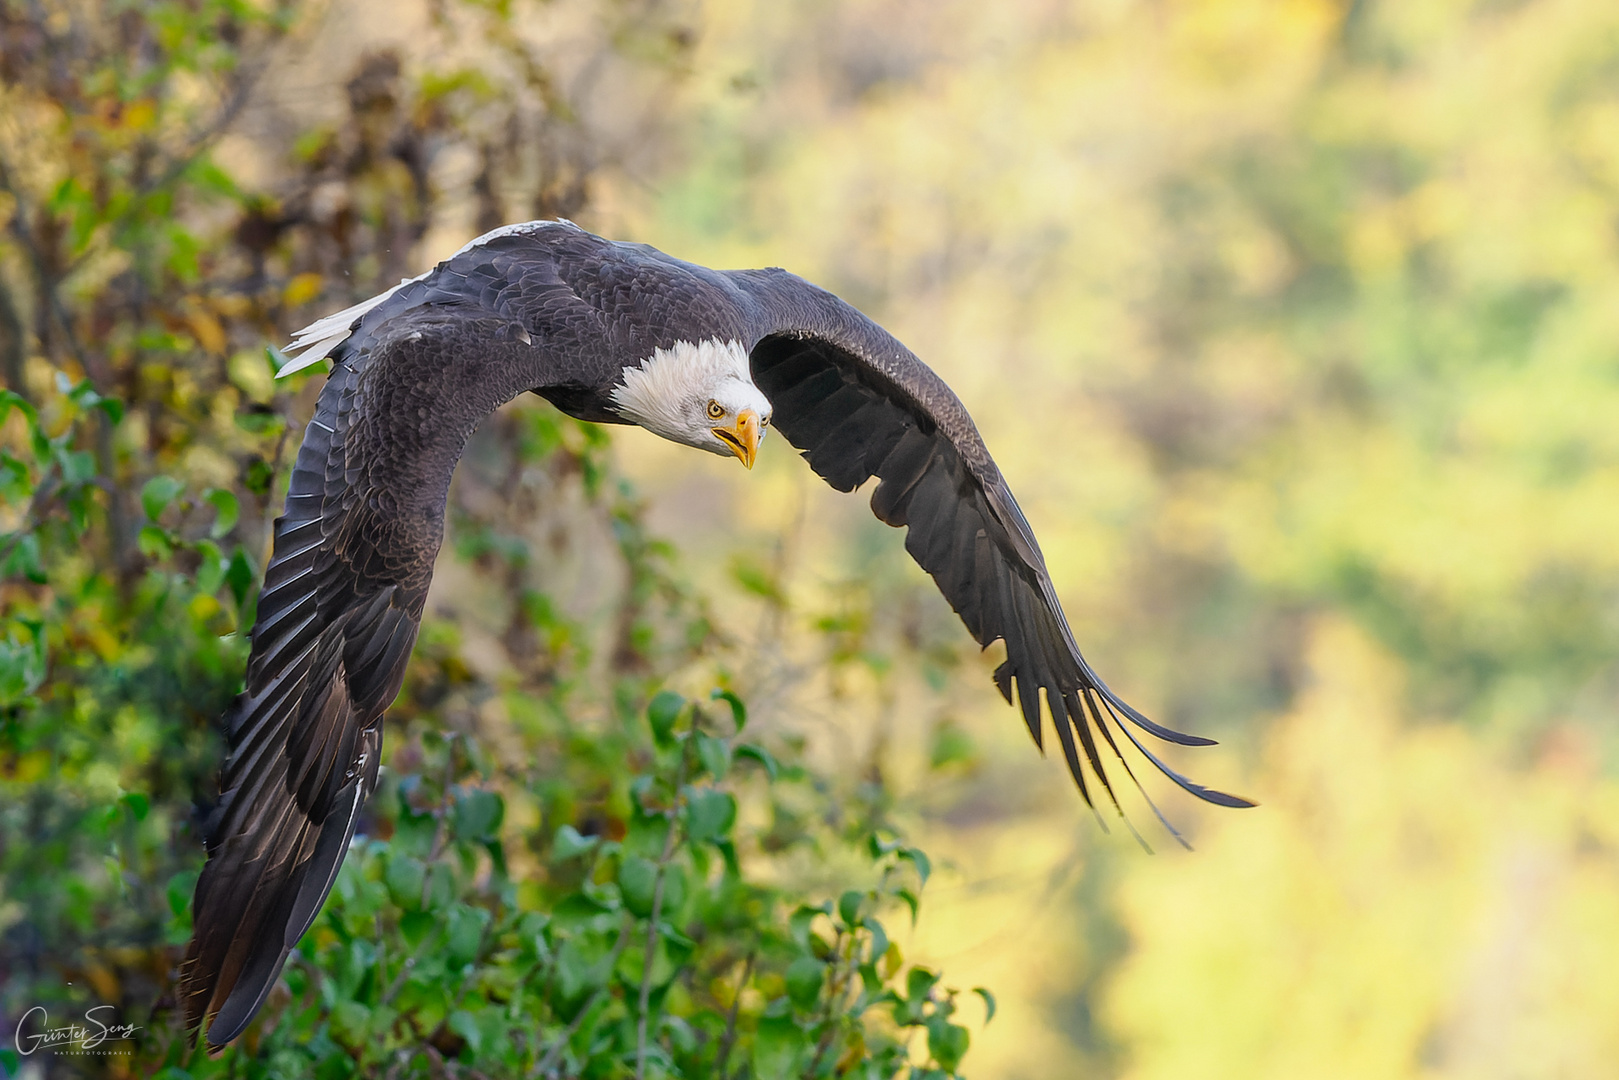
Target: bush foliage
(566, 871)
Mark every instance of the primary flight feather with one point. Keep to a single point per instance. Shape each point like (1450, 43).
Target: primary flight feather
(607, 332)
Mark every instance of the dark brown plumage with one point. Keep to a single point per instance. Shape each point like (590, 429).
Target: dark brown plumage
(550, 308)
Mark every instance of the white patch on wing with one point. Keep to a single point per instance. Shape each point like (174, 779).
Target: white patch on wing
(320, 337)
(657, 394)
(318, 350)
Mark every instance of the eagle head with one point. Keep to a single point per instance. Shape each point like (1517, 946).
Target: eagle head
(701, 395)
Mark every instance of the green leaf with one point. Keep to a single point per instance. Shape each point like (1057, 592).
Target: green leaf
(710, 814)
(405, 877)
(414, 926)
(350, 1020)
(78, 466)
(919, 859)
(152, 542)
(804, 978)
(714, 754)
(478, 815)
(757, 579)
(879, 939)
(158, 493)
(239, 575)
(662, 713)
(182, 254)
(531, 932)
(849, 907)
(918, 981)
(680, 943)
(440, 886)
(951, 745)
(226, 511)
(211, 566)
(258, 476)
(277, 358)
(465, 1025)
(465, 925)
(179, 890)
(892, 960)
(66, 193)
(24, 558)
(910, 901)
(15, 485)
(798, 924)
(137, 804)
(777, 1046)
(739, 711)
(569, 842)
(584, 907)
(113, 407)
(674, 889)
(209, 177)
(10, 399)
(762, 756)
(582, 965)
(260, 420)
(947, 1043)
(637, 877)
(989, 1002)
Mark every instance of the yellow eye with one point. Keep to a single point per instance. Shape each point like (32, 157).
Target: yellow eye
(716, 411)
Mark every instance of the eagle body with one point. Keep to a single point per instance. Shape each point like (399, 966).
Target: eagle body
(612, 333)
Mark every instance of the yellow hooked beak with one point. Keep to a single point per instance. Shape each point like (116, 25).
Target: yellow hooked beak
(744, 438)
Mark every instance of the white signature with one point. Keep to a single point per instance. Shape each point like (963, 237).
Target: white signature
(85, 1036)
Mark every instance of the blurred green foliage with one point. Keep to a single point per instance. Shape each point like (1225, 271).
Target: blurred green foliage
(557, 877)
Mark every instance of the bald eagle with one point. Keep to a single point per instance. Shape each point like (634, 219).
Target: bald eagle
(610, 332)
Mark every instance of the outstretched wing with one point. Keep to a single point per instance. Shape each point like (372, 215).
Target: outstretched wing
(344, 592)
(859, 404)
(329, 652)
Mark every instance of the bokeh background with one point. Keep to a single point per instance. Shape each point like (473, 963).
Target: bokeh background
(1294, 325)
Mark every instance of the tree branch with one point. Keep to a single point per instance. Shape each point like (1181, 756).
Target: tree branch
(729, 1039)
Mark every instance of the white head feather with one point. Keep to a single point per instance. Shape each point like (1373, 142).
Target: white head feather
(669, 393)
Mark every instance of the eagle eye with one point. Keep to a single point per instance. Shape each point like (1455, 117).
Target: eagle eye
(716, 411)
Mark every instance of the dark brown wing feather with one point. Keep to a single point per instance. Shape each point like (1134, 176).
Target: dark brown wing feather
(305, 734)
(858, 404)
(343, 597)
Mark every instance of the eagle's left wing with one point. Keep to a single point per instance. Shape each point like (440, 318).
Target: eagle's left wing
(413, 374)
(859, 404)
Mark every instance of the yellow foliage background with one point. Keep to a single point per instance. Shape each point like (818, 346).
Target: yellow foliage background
(1295, 326)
